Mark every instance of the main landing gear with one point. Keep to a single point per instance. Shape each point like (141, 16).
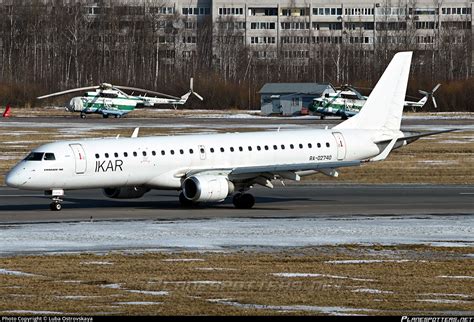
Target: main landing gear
(243, 200)
(56, 195)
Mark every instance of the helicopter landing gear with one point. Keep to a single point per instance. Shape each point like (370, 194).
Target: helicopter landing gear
(243, 200)
(56, 195)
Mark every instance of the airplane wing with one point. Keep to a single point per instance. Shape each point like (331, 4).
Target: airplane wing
(263, 174)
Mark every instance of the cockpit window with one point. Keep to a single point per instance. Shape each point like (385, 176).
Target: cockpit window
(49, 156)
(34, 156)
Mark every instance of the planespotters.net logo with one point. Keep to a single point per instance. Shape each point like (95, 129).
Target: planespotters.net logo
(437, 319)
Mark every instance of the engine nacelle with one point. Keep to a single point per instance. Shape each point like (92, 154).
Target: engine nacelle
(206, 188)
(125, 192)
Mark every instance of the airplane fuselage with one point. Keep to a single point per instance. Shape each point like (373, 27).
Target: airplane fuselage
(161, 162)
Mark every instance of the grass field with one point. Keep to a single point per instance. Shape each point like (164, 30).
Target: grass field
(350, 279)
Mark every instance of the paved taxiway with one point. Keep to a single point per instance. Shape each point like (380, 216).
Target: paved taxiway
(301, 200)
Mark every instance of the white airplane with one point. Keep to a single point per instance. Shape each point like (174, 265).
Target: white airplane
(211, 167)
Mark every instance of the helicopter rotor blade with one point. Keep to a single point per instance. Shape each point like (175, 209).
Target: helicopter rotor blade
(434, 102)
(198, 96)
(147, 91)
(436, 88)
(67, 92)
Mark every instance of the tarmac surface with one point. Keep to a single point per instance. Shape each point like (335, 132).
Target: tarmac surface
(293, 201)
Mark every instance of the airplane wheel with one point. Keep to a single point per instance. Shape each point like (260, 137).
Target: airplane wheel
(105, 116)
(55, 206)
(344, 117)
(322, 117)
(83, 116)
(243, 201)
(184, 201)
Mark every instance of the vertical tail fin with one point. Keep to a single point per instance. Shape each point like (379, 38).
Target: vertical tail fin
(384, 107)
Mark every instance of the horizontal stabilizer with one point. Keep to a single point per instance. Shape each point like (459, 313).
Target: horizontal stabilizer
(412, 138)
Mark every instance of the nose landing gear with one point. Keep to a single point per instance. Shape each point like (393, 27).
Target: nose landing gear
(56, 195)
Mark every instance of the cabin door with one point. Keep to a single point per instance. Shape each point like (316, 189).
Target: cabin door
(341, 145)
(79, 158)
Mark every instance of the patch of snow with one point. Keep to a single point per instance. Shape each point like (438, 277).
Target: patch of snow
(367, 261)
(33, 312)
(139, 303)
(113, 286)
(215, 269)
(456, 277)
(14, 273)
(77, 297)
(332, 310)
(157, 293)
(194, 282)
(443, 301)
(371, 291)
(446, 294)
(184, 260)
(96, 263)
(223, 233)
(321, 275)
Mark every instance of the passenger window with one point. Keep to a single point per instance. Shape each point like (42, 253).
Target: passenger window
(275, 147)
(310, 145)
(191, 151)
(266, 147)
(259, 148)
(125, 154)
(134, 154)
(327, 144)
(144, 153)
(319, 145)
(49, 157)
(212, 150)
(222, 150)
(163, 152)
(153, 153)
(240, 149)
(106, 155)
(181, 151)
(250, 148)
(116, 154)
(202, 150)
(301, 146)
(292, 146)
(172, 152)
(97, 155)
(283, 147)
(231, 149)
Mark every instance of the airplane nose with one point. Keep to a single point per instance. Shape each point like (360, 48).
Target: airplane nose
(14, 179)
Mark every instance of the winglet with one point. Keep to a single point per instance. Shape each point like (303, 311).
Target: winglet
(135, 132)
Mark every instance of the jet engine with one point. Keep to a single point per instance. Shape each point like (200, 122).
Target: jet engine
(75, 105)
(125, 192)
(206, 188)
